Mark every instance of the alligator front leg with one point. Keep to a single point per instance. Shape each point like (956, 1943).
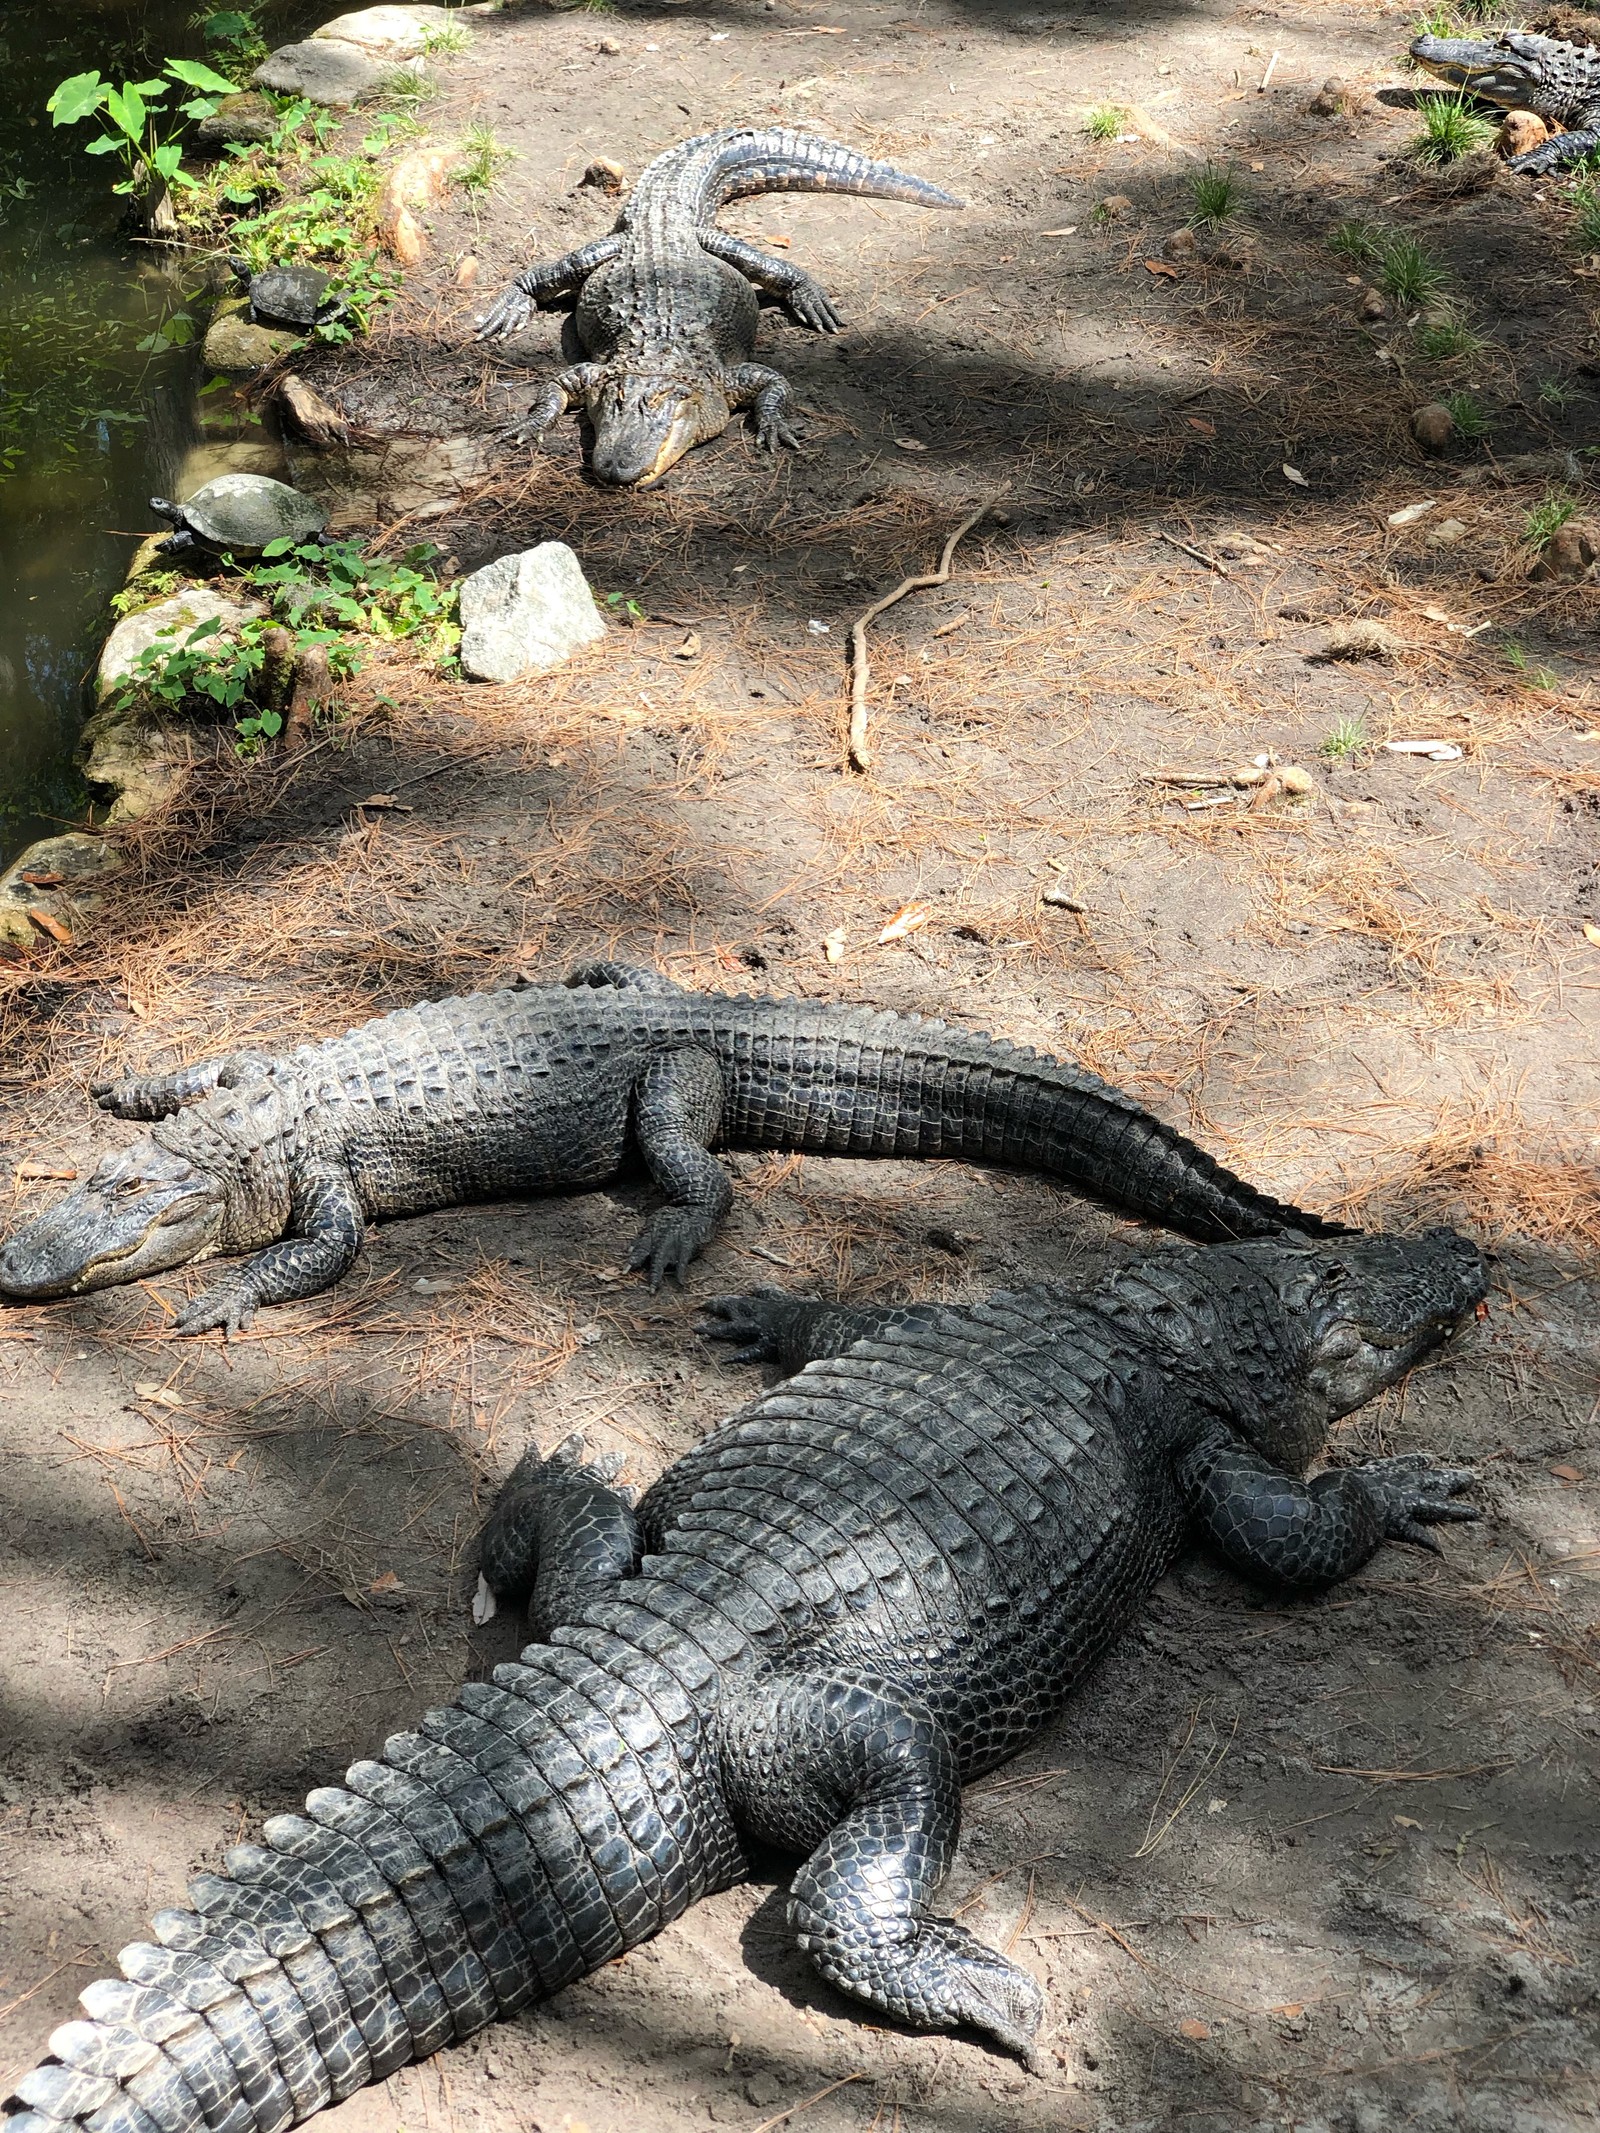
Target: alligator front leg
(806, 300)
(330, 1226)
(677, 1111)
(1305, 1535)
(540, 284)
(559, 1535)
(564, 391)
(766, 393)
(792, 1331)
(1561, 148)
(159, 1095)
(856, 1771)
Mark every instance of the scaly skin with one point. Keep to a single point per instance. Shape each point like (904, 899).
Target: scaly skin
(551, 1089)
(667, 304)
(1522, 72)
(877, 1582)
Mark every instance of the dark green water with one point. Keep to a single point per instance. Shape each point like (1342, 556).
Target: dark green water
(90, 425)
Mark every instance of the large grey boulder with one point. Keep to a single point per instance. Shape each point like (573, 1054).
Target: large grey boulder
(325, 71)
(392, 32)
(239, 349)
(526, 613)
(166, 623)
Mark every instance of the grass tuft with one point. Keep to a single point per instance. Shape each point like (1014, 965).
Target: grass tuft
(446, 39)
(1451, 129)
(1346, 742)
(1104, 122)
(1548, 517)
(1215, 192)
(1586, 218)
(411, 85)
(1443, 340)
(1468, 415)
(1408, 270)
(483, 157)
(1359, 242)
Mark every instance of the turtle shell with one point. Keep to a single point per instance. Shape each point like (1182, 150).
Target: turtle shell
(244, 512)
(293, 294)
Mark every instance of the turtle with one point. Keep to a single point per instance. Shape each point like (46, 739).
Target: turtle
(241, 513)
(296, 296)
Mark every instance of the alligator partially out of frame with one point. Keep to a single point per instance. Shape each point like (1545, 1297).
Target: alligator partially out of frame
(551, 1088)
(1524, 72)
(879, 1581)
(667, 304)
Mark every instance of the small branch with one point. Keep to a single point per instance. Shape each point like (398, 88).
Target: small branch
(1272, 68)
(859, 757)
(1199, 554)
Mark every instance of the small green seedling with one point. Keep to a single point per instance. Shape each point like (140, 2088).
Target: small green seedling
(1468, 415)
(1548, 517)
(1103, 122)
(1346, 742)
(1444, 340)
(1215, 193)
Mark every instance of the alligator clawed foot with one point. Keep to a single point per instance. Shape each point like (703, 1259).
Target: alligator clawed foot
(752, 1320)
(1414, 1494)
(224, 1308)
(671, 1239)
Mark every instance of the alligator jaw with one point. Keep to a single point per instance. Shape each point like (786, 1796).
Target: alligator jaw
(643, 425)
(1481, 66)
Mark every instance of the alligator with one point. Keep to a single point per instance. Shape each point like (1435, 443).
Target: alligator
(873, 1585)
(550, 1088)
(1523, 72)
(667, 303)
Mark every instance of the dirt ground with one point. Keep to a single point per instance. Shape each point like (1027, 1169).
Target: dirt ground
(1322, 1866)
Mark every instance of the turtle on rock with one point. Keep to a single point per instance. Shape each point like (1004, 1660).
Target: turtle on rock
(240, 514)
(297, 296)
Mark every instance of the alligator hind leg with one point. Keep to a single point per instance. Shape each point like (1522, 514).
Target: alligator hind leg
(1561, 148)
(853, 1769)
(159, 1095)
(560, 1533)
(677, 1109)
(805, 300)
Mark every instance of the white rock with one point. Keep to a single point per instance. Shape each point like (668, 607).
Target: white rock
(1447, 533)
(168, 622)
(326, 72)
(526, 613)
(390, 32)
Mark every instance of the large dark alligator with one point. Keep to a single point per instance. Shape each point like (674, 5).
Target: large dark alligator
(1523, 72)
(667, 304)
(550, 1089)
(876, 1583)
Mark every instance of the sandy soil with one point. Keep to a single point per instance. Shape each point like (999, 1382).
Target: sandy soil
(1329, 1866)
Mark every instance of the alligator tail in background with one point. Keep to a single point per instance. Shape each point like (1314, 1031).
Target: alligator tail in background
(532, 1830)
(776, 159)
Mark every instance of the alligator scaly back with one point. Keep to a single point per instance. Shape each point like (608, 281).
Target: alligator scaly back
(721, 167)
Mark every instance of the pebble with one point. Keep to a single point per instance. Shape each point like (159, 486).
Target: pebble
(1433, 426)
(1447, 533)
(1568, 555)
(1115, 204)
(1521, 131)
(609, 45)
(1374, 305)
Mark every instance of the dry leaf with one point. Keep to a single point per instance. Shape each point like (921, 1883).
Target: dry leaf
(1406, 1822)
(1591, 932)
(42, 881)
(833, 946)
(1568, 1474)
(1070, 230)
(906, 920)
(1291, 2010)
(32, 1172)
(59, 933)
(159, 1395)
(388, 1582)
(1194, 2029)
(1294, 474)
(690, 647)
(1199, 422)
(1410, 513)
(1160, 266)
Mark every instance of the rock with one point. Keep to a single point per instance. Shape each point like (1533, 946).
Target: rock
(1359, 640)
(252, 455)
(413, 185)
(526, 613)
(240, 350)
(317, 420)
(143, 765)
(246, 118)
(387, 32)
(147, 556)
(81, 861)
(1446, 534)
(1374, 305)
(415, 478)
(604, 176)
(325, 72)
(466, 270)
(1520, 133)
(178, 613)
(1228, 248)
(1567, 556)
(1180, 245)
(609, 46)
(1433, 426)
(1113, 205)
(1332, 100)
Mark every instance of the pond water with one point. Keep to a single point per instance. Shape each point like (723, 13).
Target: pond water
(91, 424)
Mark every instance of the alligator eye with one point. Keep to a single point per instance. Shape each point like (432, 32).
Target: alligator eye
(128, 1187)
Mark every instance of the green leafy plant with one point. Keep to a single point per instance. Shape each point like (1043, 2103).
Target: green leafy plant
(1442, 339)
(620, 605)
(234, 34)
(148, 587)
(1554, 393)
(1451, 128)
(1547, 517)
(1346, 742)
(140, 123)
(1215, 193)
(221, 673)
(381, 596)
(1468, 415)
(1103, 122)
(1408, 270)
(482, 159)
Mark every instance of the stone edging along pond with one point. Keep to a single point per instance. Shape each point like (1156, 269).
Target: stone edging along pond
(136, 745)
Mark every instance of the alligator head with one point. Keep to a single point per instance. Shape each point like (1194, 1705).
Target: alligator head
(643, 425)
(144, 1211)
(1509, 69)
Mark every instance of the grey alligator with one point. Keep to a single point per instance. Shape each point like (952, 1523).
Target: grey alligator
(1523, 72)
(667, 304)
(876, 1583)
(550, 1089)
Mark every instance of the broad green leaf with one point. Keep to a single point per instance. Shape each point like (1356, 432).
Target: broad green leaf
(199, 76)
(106, 145)
(126, 109)
(166, 159)
(150, 90)
(76, 98)
(202, 630)
(280, 547)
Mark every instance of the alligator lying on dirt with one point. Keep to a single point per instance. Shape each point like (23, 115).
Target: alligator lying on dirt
(550, 1088)
(1522, 72)
(875, 1584)
(667, 304)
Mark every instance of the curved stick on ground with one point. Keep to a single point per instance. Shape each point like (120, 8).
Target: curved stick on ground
(860, 759)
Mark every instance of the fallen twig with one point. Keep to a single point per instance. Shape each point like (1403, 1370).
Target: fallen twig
(1199, 554)
(859, 670)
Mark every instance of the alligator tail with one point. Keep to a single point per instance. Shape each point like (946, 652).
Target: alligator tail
(535, 1828)
(775, 159)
